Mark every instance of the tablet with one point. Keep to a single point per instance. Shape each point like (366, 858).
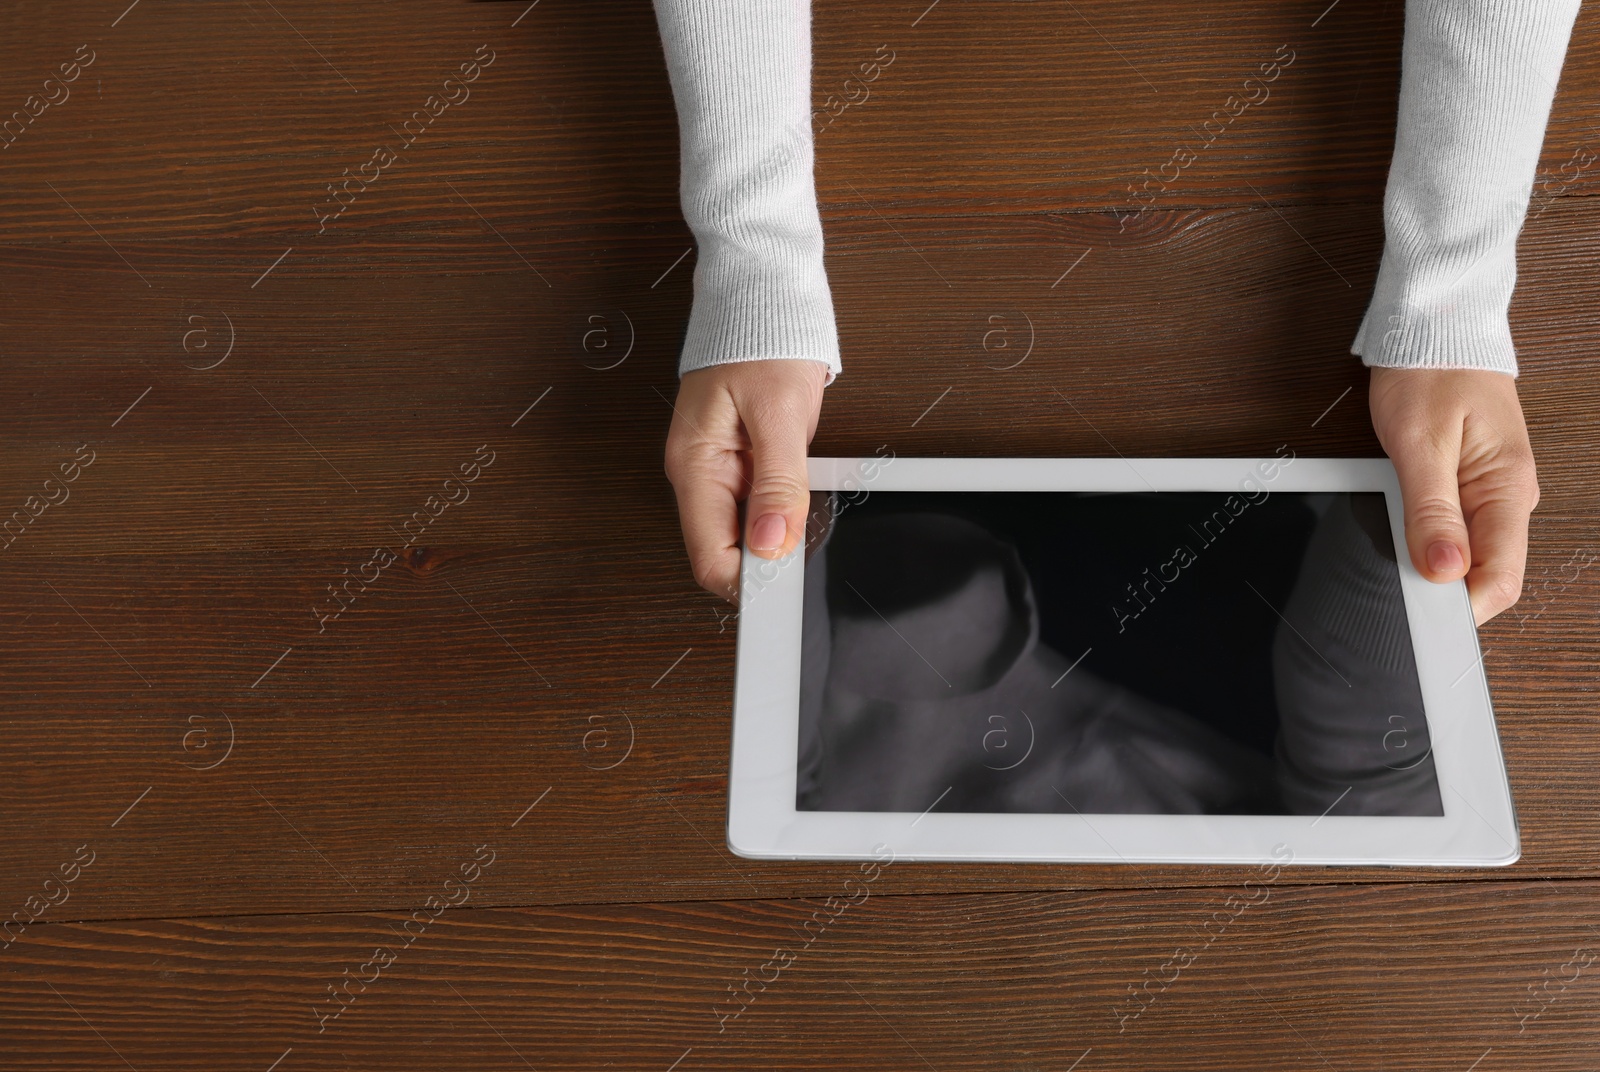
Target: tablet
(1115, 661)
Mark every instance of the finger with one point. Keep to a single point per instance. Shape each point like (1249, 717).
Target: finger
(1428, 464)
(706, 479)
(780, 486)
(709, 515)
(1499, 532)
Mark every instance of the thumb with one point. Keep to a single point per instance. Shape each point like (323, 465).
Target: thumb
(1436, 534)
(775, 513)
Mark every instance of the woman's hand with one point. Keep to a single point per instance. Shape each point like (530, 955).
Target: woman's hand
(740, 431)
(1459, 444)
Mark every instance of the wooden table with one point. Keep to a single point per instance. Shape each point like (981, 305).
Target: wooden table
(220, 800)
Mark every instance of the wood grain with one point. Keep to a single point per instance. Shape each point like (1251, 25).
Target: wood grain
(1416, 976)
(267, 405)
(444, 702)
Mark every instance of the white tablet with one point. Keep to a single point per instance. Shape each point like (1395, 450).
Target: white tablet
(1111, 660)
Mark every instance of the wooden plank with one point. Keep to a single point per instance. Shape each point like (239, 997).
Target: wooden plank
(1029, 107)
(482, 692)
(357, 378)
(985, 108)
(200, 543)
(1428, 976)
(421, 719)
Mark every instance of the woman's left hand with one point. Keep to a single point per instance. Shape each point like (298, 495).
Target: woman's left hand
(1467, 478)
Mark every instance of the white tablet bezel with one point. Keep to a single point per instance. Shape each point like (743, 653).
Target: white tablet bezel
(1479, 825)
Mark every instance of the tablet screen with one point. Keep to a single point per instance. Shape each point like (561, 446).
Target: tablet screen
(1127, 652)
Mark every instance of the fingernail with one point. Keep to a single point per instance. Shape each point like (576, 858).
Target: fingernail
(769, 533)
(1444, 557)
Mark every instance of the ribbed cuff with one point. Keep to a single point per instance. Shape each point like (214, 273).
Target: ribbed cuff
(1465, 327)
(756, 298)
(1477, 81)
(741, 80)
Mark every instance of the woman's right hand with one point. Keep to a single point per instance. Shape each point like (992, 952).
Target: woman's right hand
(740, 432)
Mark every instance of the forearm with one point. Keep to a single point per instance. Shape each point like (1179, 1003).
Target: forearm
(1477, 81)
(741, 78)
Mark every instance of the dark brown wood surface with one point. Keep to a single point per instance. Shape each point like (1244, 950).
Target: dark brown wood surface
(475, 302)
(1403, 976)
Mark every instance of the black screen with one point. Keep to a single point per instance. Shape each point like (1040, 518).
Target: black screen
(1146, 653)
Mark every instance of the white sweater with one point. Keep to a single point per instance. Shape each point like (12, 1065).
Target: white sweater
(1477, 81)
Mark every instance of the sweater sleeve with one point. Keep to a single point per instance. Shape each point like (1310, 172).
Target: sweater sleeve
(741, 79)
(1477, 79)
